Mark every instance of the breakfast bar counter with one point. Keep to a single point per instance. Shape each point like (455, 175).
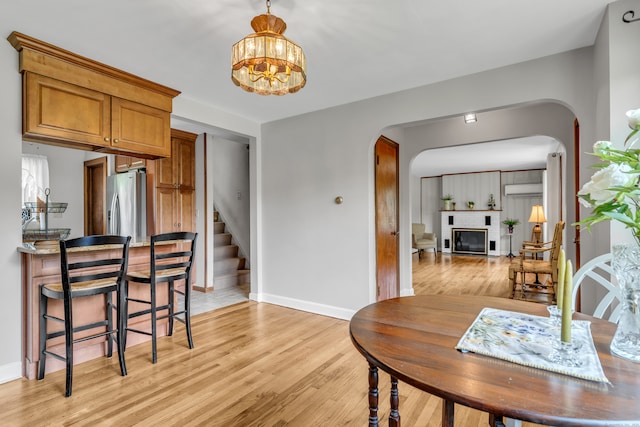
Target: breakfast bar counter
(42, 266)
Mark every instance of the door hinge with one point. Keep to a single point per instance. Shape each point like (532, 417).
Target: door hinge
(377, 160)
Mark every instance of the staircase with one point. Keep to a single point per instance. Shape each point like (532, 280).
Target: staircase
(228, 268)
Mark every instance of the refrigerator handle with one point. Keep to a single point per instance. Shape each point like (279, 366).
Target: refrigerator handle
(114, 224)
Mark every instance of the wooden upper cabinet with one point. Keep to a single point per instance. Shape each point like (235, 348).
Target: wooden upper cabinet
(178, 171)
(127, 163)
(74, 101)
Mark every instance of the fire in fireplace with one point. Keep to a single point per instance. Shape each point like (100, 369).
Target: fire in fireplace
(469, 240)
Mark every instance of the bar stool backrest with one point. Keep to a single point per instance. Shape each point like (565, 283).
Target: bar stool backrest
(175, 264)
(82, 276)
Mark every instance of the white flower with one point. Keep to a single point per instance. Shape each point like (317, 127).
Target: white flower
(600, 146)
(598, 192)
(634, 118)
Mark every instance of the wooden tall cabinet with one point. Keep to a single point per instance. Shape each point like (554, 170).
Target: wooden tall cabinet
(175, 177)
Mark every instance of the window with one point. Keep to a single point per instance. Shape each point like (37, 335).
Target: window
(35, 177)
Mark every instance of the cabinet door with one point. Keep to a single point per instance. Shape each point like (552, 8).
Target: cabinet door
(166, 175)
(56, 111)
(186, 210)
(184, 154)
(139, 128)
(166, 220)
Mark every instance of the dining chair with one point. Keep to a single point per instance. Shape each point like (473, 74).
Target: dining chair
(83, 276)
(529, 263)
(597, 274)
(165, 267)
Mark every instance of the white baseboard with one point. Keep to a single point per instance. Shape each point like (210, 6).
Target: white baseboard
(407, 292)
(311, 307)
(10, 372)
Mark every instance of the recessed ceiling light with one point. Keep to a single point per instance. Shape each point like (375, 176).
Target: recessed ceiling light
(470, 118)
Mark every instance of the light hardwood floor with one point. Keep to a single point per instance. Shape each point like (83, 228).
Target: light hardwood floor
(254, 364)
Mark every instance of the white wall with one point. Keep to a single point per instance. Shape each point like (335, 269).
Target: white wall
(10, 230)
(231, 189)
(320, 254)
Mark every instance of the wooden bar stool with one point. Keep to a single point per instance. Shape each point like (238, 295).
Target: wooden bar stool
(100, 275)
(166, 267)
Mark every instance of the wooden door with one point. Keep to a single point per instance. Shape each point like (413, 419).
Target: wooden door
(95, 186)
(387, 217)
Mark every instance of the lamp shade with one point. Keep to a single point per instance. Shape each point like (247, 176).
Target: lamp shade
(537, 214)
(266, 62)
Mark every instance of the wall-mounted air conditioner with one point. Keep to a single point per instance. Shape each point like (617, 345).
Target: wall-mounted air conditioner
(522, 189)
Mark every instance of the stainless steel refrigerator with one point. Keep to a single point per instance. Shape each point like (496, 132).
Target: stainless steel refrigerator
(127, 204)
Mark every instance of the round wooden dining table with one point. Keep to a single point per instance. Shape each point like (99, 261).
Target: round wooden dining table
(413, 339)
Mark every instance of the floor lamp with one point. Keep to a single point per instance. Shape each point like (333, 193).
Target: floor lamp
(537, 217)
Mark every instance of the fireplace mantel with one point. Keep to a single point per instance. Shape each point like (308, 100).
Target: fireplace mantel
(473, 219)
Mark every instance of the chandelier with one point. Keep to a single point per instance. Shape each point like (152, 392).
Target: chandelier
(266, 62)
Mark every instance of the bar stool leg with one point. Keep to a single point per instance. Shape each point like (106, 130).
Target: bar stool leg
(121, 318)
(43, 335)
(68, 340)
(171, 297)
(109, 314)
(187, 310)
(154, 316)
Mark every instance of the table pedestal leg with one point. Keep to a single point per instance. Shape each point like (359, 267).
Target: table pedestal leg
(373, 396)
(447, 413)
(394, 415)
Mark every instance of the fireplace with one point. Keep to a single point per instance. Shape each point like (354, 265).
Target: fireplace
(469, 240)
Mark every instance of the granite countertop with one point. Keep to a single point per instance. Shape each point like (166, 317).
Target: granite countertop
(30, 248)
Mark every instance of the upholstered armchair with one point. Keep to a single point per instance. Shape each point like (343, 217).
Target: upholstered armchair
(421, 240)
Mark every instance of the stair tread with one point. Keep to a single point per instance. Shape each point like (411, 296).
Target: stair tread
(233, 273)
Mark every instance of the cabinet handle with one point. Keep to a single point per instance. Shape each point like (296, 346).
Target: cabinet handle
(106, 139)
(115, 141)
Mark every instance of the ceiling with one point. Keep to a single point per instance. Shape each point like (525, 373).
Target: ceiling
(506, 155)
(355, 49)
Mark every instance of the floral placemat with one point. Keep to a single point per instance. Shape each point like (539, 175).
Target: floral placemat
(529, 340)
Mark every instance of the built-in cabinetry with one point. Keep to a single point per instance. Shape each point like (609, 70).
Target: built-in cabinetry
(75, 102)
(175, 185)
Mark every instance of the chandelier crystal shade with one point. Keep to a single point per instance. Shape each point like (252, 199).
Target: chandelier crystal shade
(266, 62)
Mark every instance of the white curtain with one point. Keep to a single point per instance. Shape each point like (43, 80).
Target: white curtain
(35, 177)
(553, 191)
